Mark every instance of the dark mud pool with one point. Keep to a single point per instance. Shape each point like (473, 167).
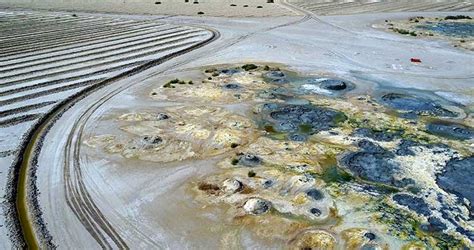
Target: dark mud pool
(455, 29)
(416, 105)
(306, 163)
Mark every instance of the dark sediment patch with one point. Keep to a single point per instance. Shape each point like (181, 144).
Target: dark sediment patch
(370, 236)
(454, 29)
(457, 178)
(373, 166)
(374, 163)
(416, 105)
(232, 86)
(276, 76)
(300, 121)
(249, 160)
(162, 116)
(315, 194)
(434, 225)
(377, 135)
(414, 203)
(335, 87)
(153, 139)
(404, 148)
(229, 71)
(369, 146)
(297, 137)
(333, 84)
(450, 130)
(316, 212)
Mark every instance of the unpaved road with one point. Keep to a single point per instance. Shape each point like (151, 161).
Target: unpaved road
(112, 221)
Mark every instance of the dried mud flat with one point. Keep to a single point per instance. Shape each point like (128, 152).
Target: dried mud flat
(297, 161)
(340, 7)
(330, 143)
(226, 8)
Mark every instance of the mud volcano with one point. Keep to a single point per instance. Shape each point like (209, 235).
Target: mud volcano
(299, 121)
(374, 163)
(276, 76)
(415, 105)
(451, 130)
(457, 178)
(334, 84)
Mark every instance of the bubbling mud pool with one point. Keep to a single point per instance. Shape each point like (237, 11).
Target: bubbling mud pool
(304, 163)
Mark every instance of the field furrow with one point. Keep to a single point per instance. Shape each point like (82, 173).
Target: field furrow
(115, 63)
(64, 39)
(83, 47)
(142, 43)
(340, 7)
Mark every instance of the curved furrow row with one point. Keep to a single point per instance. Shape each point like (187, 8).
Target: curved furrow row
(70, 39)
(48, 92)
(150, 41)
(78, 44)
(119, 62)
(49, 61)
(25, 108)
(19, 119)
(86, 46)
(43, 38)
(47, 32)
(45, 29)
(19, 27)
(103, 60)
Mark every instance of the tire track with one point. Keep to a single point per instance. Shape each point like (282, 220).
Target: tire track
(77, 195)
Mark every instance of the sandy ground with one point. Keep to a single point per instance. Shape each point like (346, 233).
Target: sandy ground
(167, 7)
(140, 199)
(341, 7)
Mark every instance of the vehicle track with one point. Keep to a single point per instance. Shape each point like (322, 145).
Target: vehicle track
(78, 198)
(72, 152)
(77, 187)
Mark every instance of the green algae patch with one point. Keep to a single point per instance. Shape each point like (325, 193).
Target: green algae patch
(405, 226)
(305, 128)
(333, 174)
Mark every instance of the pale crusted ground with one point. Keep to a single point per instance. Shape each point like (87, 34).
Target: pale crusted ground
(142, 199)
(343, 7)
(167, 7)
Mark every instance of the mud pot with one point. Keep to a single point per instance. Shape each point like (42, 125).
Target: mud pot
(301, 161)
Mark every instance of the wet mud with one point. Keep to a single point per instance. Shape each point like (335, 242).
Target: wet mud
(310, 167)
